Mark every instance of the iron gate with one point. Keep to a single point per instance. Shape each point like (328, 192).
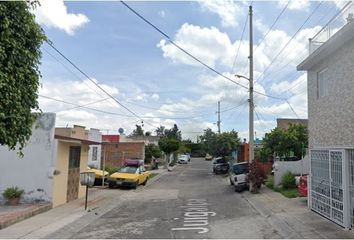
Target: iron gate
(351, 185)
(326, 192)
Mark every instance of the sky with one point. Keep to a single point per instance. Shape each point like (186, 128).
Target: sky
(162, 85)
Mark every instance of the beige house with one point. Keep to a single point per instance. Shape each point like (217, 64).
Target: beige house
(71, 159)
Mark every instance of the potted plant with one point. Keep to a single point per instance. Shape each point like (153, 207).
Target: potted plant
(13, 195)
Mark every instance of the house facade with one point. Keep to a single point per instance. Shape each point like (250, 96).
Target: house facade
(330, 73)
(51, 166)
(284, 123)
(94, 154)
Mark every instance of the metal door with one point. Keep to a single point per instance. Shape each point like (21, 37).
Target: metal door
(336, 185)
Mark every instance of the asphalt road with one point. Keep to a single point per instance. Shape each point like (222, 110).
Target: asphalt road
(190, 202)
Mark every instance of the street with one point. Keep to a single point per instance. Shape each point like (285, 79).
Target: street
(190, 202)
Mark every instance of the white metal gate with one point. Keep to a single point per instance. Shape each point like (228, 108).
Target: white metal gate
(351, 184)
(327, 177)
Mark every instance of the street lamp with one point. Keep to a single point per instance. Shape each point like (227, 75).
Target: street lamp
(251, 123)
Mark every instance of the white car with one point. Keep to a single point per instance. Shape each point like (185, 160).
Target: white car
(238, 176)
(183, 159)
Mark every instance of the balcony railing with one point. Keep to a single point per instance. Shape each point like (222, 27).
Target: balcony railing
(342, 18)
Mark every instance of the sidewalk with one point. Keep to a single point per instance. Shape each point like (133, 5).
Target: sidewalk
(100, 201)
(291, 217)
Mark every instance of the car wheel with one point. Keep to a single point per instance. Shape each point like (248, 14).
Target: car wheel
(238, 189)
(111, 185)
(144, 183)
(136, 184)
(231, 183)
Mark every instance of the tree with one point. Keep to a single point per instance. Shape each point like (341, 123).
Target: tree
(220, 144)
(168, 146)
(138, 131)
(152, 150)
(148, 133)
(160, 131)
(174, 133)
(20, 41)
(282, 142)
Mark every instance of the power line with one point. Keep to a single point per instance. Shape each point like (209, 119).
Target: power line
(271, 27)
(239, 45)
(192, 56)
(284, 47)
(97, 85)
(84, 105)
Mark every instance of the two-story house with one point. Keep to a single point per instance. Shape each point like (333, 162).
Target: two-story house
(330, 73)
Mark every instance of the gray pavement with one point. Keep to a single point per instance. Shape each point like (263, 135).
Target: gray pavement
(191, 202)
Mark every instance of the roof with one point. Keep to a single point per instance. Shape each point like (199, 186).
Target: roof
(84, 141)
(339, 39)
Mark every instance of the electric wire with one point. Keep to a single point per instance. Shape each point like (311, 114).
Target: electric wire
(239, 45)
(289, 41)
(192, 56)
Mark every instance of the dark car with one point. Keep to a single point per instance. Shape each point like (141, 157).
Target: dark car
(220, 165)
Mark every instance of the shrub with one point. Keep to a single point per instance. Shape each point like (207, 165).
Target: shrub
(256, 176)
(288, 181)
(13, 192)
(111, 169)
(270, 182)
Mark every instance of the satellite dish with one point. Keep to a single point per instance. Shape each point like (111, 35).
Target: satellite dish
(121, 130)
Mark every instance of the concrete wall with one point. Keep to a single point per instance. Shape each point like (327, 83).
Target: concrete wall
(33, 172)
(331, 117)
(295, 167)
(284, 123)
(95, 135)
(60, 184)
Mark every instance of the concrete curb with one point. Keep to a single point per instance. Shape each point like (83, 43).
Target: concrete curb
(14, 217)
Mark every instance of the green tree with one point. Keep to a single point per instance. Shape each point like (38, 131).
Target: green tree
(138, 131)
(174, 132)
(152, 150)
(298, 135)
(168, 146)
(20, 41)
(220, 144)
(160, 131)
(207, 139)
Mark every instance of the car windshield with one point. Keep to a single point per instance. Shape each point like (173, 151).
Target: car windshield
(240, 168)
(128, 169)
(220, 160)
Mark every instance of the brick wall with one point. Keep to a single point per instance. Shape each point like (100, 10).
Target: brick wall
(115, 153)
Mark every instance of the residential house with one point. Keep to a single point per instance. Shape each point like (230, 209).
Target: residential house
(114, 152)
(284, 123)
(94, 154)
(146, 139)
(51, 166)
(330, 74)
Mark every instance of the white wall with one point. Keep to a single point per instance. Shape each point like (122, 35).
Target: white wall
(95, 135)
(295, 167)
(33, 172)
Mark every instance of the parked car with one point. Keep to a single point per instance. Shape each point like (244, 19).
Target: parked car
(189, 156)
(220, 165)
(208, 157)
(131, 175)
(98, 175)
(238, 176)
(302, 188)
(183, 159)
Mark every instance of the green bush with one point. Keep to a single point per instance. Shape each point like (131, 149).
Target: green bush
(288, 181)
(111, 169)
(270, 181)
(13, 192)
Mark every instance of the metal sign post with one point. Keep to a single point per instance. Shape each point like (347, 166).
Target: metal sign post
(87, 179)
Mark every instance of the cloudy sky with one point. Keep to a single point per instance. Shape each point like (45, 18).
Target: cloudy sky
(158, 82)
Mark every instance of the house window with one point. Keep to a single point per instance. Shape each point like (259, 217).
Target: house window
(322, 83)
(94, 153)
(74, 157)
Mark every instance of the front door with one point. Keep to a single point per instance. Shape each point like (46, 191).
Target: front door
(73, 173)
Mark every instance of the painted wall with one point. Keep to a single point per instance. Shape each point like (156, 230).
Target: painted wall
(95, 135)
(33, 172)
(331, 117)
(60, 184)
(295, 167)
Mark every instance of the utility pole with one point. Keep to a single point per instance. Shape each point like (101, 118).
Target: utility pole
(251, 105)
(218, 123)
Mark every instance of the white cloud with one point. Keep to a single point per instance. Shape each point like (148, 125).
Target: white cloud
(155, 96)
(295, 4)
(162, 13)
(227, 10)
(54, 13)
